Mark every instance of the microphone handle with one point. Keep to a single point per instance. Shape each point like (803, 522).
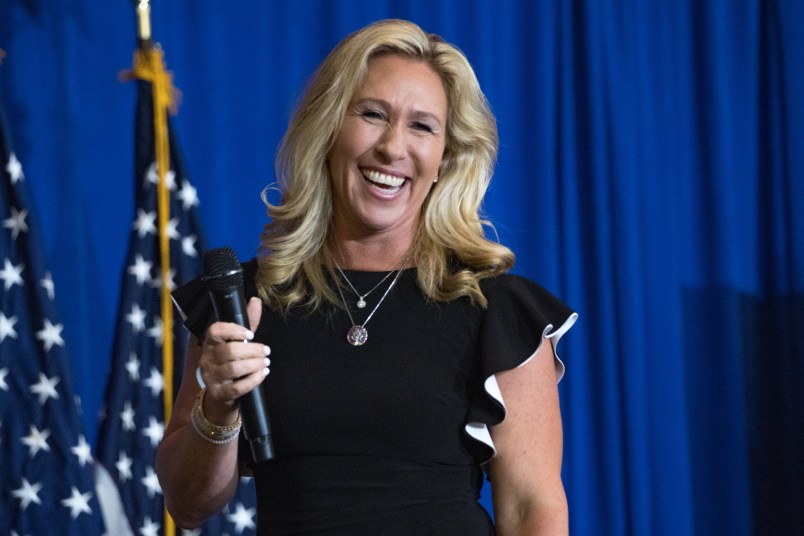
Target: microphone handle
(231, 307)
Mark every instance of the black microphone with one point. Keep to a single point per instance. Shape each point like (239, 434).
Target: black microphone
(223, 276)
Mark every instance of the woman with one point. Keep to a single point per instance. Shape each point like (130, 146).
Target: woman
(394, 332)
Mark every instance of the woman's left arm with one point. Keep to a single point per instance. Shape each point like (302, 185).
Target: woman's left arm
(527, 492)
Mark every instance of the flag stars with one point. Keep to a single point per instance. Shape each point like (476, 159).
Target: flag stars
(14, 169)
(123, 466)
(145, 223)
(11, 274)
(133, 367)
(156, 331)
(151, 483)
(7, 327)
(155, 382)
(152, 177)
(243, 518)
(188, 196)
(3, 374)
(78, 503)
(141, 269)
(36, 441)
(127, 416)
(27, 493)
(149, 528)
(188, 246)
(82, 451)
(47, 284)
(50, 335)
(136, 318)
(172, 229)
(16, 222)
(45, 388)
(154, 431)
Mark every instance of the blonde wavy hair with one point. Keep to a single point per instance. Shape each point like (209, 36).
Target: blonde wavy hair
(450, 249)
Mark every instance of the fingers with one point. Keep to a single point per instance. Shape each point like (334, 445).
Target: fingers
(230, 365)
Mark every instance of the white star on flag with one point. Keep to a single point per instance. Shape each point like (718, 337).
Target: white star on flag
(154, 431)
(7, 327)
(141, 269)
(155, 382)
(172, 229)
(150, 528)
(82, 451)
(11, 275)
(136, 318)
(188, 246)
(27, 493)
(151, 482)
(133, 367)
(47, 284)
(123, 466)
(16, 222)
(145, 223)
(153, 177)
(127, 416)
(78, 503)
(50, 335)
(188, 196)
(243, 518)
(3, 374)
(36, 441)
(156, 331)
(45, 388)
(14, 169)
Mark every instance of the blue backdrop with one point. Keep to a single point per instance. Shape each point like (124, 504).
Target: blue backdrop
(651, 174)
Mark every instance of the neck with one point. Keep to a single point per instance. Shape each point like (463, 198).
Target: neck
(371, 255)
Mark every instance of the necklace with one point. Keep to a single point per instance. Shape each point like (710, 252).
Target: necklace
(361, 299)
(357, 334)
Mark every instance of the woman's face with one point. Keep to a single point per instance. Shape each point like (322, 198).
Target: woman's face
(387, 153)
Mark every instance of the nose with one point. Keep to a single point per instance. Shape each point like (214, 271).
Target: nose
(391, 145)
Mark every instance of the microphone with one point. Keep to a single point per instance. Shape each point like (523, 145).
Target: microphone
(223, 276)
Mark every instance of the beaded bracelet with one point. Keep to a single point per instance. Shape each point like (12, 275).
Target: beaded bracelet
(219, 435)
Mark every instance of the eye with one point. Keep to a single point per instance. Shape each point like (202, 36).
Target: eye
(422, 127)
(373, 115)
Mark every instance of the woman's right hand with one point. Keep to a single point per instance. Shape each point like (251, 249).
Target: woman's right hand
(231, 366)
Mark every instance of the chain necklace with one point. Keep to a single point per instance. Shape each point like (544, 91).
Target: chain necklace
(361, 299)
(357, 334)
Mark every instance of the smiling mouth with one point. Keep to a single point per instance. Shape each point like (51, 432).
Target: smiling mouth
(388, 183)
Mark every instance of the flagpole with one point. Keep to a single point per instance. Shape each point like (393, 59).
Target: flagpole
(162, 90)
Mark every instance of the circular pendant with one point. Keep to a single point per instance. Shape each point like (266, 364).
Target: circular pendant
(357, 335)
(361, 304)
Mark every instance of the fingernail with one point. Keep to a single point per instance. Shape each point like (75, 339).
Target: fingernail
(266, 361)
(249, 335)
(266, 350)
(265, 371)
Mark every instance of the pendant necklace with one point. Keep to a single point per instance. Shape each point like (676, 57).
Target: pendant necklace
(361, 299)
(357, 334)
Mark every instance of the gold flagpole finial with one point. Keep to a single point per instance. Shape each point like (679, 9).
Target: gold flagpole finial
(144, 23)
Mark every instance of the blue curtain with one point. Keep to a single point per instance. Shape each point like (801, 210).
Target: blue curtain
(651, 173)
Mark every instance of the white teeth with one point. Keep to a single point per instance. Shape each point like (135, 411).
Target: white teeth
(382, 178)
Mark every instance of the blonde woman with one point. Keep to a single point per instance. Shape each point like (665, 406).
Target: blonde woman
(406, 364)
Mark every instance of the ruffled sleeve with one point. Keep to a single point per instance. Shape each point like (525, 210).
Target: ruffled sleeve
(194, 303)
(521, 316)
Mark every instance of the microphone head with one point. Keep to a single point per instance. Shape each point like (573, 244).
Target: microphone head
(222, 271)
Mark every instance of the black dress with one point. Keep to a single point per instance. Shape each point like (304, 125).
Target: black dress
(387, 438)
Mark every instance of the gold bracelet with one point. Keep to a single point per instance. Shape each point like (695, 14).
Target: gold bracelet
(219, 435)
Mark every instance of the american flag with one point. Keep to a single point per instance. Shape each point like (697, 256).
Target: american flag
(133, 421)
(46, 467)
